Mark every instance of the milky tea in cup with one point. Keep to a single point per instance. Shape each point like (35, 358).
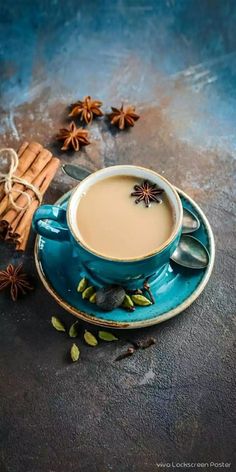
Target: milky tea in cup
(116, 225)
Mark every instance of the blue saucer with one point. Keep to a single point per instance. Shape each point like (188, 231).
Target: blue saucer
(173, 292)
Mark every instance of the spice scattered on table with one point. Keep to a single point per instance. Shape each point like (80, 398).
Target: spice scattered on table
(123, 117)
(73, 331)
(144, 343)
(15, 279)
(86, 109)
(106, 336)
(73, 137)
(130, 351)
(138, 344)
(74, 353)
(57, 324)
(90, 339)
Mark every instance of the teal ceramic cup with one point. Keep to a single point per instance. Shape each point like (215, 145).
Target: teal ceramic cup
(56, 223)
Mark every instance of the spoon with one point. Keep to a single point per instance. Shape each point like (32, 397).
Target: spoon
(76, 172)
(190, 222)
(191, 253)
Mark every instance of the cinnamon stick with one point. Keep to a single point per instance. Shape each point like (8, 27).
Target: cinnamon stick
(22, 243)
(25, 225)
(46, 178)
(23, 147)
(38, 167)
(21, 150)
(29, 152)
(22, 200)
(13, 225)
(27, 157)
(38, 162)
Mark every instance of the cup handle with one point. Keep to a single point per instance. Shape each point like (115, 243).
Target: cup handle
(45, 229)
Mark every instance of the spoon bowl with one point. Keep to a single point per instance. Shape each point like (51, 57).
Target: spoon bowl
(191, 253)
(190, 222)
(76, 172)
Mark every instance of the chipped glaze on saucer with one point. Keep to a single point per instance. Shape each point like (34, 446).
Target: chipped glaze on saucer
(174, 289)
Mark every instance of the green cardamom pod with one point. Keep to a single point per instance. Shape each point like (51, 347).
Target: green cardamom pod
(88, 292)
(82, 285)
(128, 302)
(90, 339)
(92, 299)
(140, 300)
(105, 336)
(57, 324)
(74, 353)
(73, 331)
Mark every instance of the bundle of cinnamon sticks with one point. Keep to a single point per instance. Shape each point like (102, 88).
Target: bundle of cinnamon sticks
(38, 167)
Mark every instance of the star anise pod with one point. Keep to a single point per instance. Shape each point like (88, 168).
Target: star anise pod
(16, 279)
(123, 117)
(147, 192)
(87, 109)
(73, 137)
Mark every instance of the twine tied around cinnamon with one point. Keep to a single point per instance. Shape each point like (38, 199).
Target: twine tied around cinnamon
(9, 179)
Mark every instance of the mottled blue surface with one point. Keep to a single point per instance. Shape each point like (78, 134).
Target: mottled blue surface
(126, 50)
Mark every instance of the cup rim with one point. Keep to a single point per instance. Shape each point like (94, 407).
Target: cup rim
(159, 249)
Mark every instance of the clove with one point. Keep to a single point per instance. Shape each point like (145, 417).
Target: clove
(130, 351)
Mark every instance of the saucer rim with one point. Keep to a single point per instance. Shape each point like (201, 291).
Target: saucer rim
(134, 324)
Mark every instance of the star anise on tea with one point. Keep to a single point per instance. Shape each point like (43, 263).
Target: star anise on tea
(147, 192)
(73, 137)
(123, 117)
(87, 109)
(15, 279)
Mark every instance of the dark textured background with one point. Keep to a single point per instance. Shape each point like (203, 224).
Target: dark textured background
(176, 61)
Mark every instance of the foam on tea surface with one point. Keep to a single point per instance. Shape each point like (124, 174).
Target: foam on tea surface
(113, 225)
